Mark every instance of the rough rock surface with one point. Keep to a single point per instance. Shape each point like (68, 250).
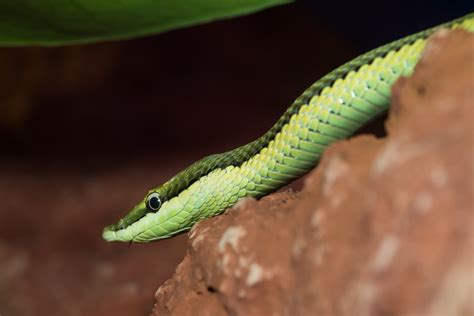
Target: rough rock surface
(382, 226)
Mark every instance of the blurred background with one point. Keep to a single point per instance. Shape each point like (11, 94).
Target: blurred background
(86, 130)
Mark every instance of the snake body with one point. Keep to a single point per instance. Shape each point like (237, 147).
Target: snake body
(332, 109)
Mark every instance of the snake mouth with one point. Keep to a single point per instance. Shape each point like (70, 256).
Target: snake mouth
(144, 230)
(111, 233)
(121, 231)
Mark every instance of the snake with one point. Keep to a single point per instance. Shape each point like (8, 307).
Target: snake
(331, 109)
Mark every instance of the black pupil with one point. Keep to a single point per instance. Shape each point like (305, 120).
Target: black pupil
(154, 202)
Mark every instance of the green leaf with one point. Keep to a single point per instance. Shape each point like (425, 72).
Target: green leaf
(57, 22)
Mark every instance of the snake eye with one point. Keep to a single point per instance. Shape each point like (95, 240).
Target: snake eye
(153, 201)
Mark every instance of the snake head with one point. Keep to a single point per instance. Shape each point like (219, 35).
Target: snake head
(151, 219)
(150, 204)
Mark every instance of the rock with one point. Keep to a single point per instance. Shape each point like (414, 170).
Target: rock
(381, 227)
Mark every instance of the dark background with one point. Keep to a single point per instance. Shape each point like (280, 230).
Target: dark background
(86, 130)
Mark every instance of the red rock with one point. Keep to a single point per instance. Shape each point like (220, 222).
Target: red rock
(382, 226)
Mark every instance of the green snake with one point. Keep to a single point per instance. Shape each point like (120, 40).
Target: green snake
(333, 108)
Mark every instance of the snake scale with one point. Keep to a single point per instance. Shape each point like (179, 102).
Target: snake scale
(333, 108)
